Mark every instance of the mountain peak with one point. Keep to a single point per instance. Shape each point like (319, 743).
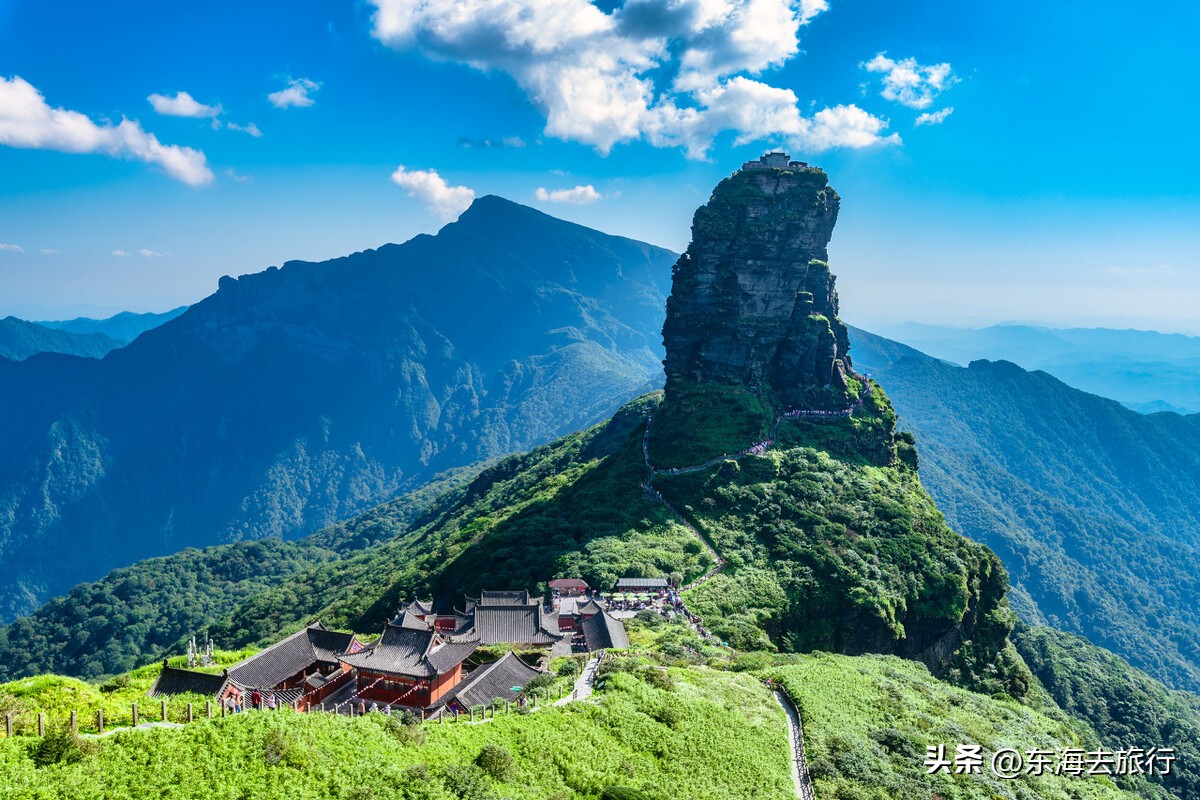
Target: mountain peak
(753, 302)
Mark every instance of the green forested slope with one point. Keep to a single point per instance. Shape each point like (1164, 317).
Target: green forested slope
(1091, 507)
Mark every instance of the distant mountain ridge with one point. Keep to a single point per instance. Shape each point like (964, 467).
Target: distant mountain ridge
(20, 339)
(1091, 506)
(125, 326)
(1144, 370)
(295, 397)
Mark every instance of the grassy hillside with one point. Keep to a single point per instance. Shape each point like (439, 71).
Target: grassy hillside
(699, 733)
(677, 718)
(1090, 506)
(869, 720)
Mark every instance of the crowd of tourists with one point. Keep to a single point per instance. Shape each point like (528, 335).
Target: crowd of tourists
(255, 700)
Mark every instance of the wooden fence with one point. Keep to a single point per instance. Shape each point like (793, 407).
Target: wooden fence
(101, 721)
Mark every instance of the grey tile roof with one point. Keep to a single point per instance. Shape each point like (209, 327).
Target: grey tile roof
(412, 653)
(494, 681)
(173, 680)
(588, 607)
(282, 660)
(408, 619)
(418, 606)
(505, 598)
(515, 625)
(641, 583)
(604, 631)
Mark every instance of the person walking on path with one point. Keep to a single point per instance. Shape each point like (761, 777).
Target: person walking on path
(256, 699)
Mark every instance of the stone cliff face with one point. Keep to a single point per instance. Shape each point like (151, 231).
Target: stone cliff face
(753, 302)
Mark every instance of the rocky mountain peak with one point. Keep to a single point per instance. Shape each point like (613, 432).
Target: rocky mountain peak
(753, 302)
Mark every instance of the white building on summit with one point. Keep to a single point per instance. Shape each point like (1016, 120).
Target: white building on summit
(776, 159)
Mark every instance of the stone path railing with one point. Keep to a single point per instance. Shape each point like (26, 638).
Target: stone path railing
(800, 773)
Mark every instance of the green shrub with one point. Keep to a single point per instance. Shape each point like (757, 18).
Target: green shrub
(496, 761)
(62, 746)
(650, 618)
(466, 781)
(625, 793)
(278, 749)
(659, 678)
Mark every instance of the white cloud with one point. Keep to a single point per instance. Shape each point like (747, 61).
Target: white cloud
(11, 248)
(934, 117)
(432, 190)
(48, 251)
(182, 105)
(909, 83)
(150, 253)
(579, 196)
(674, 74)
(121, 253)
(251, 129)
(295, 95)
(810, 8)
(27, 121)
(515, 142)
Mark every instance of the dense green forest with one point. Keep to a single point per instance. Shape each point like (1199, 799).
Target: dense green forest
(1090, 506)
(138, 614)
(1125, 706)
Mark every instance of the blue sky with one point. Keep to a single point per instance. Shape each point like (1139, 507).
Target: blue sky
(1062, 187)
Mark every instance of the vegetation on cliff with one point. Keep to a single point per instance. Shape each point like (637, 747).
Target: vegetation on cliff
(1090, 506)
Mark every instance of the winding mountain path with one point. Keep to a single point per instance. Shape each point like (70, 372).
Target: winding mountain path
(800, 775)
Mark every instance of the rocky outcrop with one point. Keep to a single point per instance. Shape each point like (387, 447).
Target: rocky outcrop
(753, 302)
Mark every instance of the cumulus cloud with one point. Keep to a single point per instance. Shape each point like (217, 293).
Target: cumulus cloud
(934, 117)
(909, 83)
(11, 248)
(251, 129)
(27, 121)
(432, 190)
(673, 74)
(182, 105)
(579, 196)
(121, 253)
(295, 94)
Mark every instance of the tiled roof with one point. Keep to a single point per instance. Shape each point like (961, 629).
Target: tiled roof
(494, 681)
(505, 598)
(515, 625)
(408, 619)
(604, 631)
(327, 645)
(568, 583)
(412, 653)
(418, 606)
(641, 583)
(173, 680)
(294, 654)
(588, 607)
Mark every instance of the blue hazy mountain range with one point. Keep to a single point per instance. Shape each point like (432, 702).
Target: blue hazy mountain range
(20, 339)
(126, 326)
(1091, 506)
(298, 396)
(85, 337)
(1144, 370)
